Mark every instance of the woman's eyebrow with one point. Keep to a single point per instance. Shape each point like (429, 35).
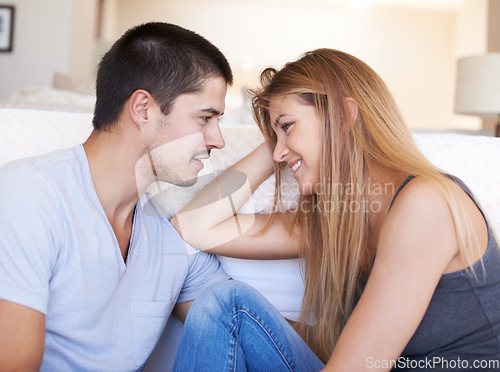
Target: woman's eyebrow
(277, 121)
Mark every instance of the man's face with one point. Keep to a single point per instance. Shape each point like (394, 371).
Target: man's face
(187, 134)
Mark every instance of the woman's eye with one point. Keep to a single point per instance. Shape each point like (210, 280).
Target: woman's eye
(285, 126)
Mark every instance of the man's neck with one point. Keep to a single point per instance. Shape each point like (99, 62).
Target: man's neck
(112, 168)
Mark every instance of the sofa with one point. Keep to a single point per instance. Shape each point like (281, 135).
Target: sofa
(473, 158)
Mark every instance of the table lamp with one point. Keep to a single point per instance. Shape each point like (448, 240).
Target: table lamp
(478, 87)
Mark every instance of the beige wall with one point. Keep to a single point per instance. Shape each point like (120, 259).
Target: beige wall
(493, 26)
(411, 49)
(82, 38)
(39, 44)
(50, 36)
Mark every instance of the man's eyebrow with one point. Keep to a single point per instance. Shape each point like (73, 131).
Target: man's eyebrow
(211, 110)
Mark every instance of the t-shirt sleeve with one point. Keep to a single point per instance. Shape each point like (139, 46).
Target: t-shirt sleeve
(204, 270)
(26, 241)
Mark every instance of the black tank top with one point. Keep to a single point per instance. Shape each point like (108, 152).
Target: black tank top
(460, 330)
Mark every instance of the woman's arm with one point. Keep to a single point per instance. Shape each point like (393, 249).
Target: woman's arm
(417, 243)
(210, 220)
(276, 242)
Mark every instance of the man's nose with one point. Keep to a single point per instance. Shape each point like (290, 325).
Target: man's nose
(213, 137)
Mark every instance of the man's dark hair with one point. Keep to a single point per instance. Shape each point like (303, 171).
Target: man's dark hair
(164, 59)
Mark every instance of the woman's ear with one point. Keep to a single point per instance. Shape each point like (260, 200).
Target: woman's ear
(352, 108)
(138, 106)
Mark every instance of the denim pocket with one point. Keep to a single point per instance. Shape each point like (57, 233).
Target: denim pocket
(148, 319)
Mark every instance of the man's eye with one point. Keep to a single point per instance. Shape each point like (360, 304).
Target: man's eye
(206, 118)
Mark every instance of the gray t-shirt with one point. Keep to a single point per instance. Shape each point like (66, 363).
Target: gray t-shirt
(61, 257)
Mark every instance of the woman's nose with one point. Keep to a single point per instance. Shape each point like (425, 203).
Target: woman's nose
(280, 152)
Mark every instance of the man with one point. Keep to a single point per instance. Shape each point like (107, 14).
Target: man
(87, 279)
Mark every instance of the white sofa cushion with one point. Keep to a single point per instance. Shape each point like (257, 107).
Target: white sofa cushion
(33, 132)
(474, 159)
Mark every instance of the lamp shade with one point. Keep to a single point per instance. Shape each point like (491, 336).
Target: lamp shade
(478, 86)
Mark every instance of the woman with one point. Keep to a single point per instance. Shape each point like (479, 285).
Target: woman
(401, 268)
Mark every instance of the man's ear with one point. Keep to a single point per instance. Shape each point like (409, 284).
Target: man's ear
(352, 108)
(139, 102)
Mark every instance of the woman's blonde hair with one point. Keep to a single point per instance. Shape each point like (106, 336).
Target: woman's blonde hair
(336, 238)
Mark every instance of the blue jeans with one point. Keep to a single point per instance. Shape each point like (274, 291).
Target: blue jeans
(232, 327)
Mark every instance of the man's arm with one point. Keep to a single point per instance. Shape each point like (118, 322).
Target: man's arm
(181, 309)
(22, 337)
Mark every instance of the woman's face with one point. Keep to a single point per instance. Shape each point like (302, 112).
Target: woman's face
(298, 129)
